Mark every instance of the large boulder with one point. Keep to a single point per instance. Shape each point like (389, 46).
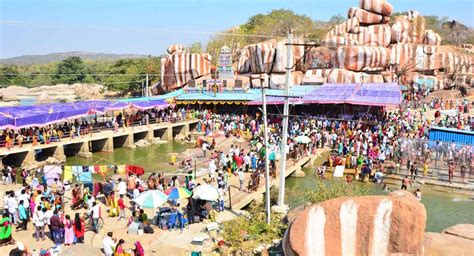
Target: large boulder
(368, 225)
(378, 6)
(175, 48)
(431, 38)
(374, 35)
(350, 25)
(408, 28)
(366, 17)
(347, 76)
(180, 67)
(362, 58)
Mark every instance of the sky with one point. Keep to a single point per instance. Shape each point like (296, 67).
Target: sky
(148, 27)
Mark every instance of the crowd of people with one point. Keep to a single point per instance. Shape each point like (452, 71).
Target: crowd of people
(84, 126)
(367, 143)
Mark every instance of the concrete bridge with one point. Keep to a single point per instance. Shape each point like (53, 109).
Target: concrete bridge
(99, 140)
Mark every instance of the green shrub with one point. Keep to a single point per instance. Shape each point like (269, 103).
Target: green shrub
(245, 233)
(334, 189)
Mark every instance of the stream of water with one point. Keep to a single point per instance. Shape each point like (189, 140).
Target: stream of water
(443, 210)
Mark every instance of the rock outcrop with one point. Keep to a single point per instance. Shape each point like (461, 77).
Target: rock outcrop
(368, 225)
(53, 93)
(456, 240)
(181, 66)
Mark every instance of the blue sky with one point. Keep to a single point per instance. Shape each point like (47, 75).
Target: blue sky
(68, 17)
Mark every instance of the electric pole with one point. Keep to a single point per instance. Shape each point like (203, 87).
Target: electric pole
(267, 169)
(284, 139)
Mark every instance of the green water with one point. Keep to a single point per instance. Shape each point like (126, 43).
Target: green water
(152, 158)
(443, 210)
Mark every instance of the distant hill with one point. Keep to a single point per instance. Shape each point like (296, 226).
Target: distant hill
(41, 59)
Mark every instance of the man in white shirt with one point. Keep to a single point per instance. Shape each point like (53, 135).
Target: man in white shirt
(12, 205)
(241, 175)
(39, 220)
(204, 148)
(95, 211)
(122, 187)
(108, 244)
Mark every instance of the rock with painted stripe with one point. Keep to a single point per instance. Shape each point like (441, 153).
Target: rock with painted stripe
(360, 58)
(180, 67)
(366, 17)
(403, 56)
(350, 25)
(369, 225)
(174, 48)
(374, 35)
(244, 63)
(408, 29)
(432, 38)
(346, 39)
(262, 56)
(377, 6)
(297, 52)
(269, 57)
(347, 76)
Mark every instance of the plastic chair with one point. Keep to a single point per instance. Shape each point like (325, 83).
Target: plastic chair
(172, 221)
(183, 221)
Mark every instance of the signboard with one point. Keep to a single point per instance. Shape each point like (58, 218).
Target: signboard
(338, 171)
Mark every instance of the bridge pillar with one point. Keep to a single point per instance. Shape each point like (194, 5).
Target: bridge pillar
(168, 135)
(85, 150)
(130, 142)
(150, 134)
(59, 153)
(185, 130)
(30, 156)
(109, 145)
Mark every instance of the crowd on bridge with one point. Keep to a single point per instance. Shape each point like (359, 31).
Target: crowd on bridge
(86, 125)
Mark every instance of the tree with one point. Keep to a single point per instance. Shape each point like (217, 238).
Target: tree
(8, 74)
(70, 70)
(336, 19)
(195, 48)
(261, 27)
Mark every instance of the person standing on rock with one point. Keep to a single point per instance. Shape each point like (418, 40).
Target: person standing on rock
(405, 182)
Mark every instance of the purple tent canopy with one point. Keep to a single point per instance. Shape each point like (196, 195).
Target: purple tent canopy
(40, 115)
(377, 95)
(149, 104)
(330, 94)
(388, 94)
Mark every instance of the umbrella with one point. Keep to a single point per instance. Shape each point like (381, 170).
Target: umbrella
(151, 199)
(175, 193)
(206, 192)
(303, 139)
